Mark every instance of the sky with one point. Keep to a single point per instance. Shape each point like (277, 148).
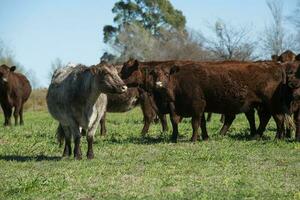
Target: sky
(38, 32)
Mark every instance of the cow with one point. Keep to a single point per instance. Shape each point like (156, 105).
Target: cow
(130, 99)
(119, 103)
(136, 73)
(289, 56)
(286, 56)
(77, 99)
(227, 88)
(15, 90)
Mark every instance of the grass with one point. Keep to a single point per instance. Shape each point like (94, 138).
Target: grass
(128, 167)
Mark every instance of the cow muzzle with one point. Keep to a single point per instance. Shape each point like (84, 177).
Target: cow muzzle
(159, 84)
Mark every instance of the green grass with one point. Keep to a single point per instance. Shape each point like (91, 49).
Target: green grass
(128, 167)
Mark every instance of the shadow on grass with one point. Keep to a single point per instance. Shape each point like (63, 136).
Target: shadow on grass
(138, 140)
(245, 136)
(19, 158)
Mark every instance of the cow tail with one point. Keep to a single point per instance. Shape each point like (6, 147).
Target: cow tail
(60, 135)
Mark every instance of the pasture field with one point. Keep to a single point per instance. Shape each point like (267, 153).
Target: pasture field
(128, 167)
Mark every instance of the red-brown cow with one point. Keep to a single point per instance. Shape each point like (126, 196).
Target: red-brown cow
(15, 89)
(229, 88)
(135, 73)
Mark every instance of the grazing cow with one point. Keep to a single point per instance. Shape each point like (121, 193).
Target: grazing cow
(135, 73)
(229, 88)
(15, 89)
(76, 98)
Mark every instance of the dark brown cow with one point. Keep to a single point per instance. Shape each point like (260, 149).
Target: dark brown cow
(135, 73)
(229, 88)
(15, 89)
(129, 100)
(289, 56)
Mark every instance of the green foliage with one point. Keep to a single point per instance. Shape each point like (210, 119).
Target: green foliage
(149, 14)
(128, 167)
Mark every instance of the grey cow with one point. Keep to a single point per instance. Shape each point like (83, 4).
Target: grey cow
(76, 98)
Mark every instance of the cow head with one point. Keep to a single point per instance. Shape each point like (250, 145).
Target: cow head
(287, 56)
(108, 79)
(293, 79)
(131, 73)
(161, 76)
(5, 72)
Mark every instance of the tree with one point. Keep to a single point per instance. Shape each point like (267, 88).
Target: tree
(56, 64)
(153, 16)
(295, 19)
(275, 38)
(230, 43)
(7, 57)
(136, 42)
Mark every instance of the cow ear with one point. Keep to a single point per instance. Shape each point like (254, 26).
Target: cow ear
(136, 64)
(12, 69)
(174, 70)
(275, 58)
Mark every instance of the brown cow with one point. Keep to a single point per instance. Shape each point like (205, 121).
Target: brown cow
(129, 100)
(135, 73)
(289, 56)
(286, 56)
(15, 89)
(229, 88)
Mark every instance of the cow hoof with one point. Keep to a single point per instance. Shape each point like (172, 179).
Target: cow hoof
(205, 138)
(78, 157)
(173, 140)
(90, 156)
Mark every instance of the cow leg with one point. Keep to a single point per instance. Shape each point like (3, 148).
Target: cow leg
(222, 118)
(8, 117)
(163, 120)
(16, 114)
(279, 120)
(297, 122)
(67, 135)
(208, 119)
(228, 119)
(264, 117)
(102, 125)
(5, 112)
(195, 125)
(21, 116)
(203, 128)
(90, 140)
(174, 121)
(77, 149)
(147, 121)
(90, 152)
(251, 119)
(68, 149)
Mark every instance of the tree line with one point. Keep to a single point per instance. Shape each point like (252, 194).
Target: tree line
(155, 30)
